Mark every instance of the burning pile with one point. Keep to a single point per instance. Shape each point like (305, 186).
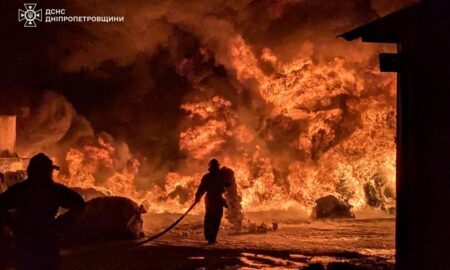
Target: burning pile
(295, 125)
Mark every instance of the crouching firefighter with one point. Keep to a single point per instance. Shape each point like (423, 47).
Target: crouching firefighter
(213, 184)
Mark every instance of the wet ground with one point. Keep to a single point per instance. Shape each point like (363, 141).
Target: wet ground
(298, 243)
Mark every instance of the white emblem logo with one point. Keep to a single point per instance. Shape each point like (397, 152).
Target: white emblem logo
(30, 15)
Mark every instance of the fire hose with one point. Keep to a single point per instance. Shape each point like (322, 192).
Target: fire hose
(158, 235)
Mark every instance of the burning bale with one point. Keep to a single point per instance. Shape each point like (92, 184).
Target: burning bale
(107, 218)
(331, 207)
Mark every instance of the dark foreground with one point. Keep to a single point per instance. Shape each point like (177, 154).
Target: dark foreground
(365, 243)
(203, 257)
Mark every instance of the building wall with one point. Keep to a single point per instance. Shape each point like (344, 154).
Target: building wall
(7, 133)
(423, 183)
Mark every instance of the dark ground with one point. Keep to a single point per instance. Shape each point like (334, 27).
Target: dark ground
(218, 257)
(367, 243)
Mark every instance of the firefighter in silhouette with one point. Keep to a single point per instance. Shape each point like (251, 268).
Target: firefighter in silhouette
(35, 204)
(213, 184)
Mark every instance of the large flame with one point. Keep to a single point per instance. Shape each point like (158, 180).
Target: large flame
(336, 118)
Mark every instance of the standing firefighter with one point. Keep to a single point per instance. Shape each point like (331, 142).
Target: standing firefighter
(214, 184)
(35, 202)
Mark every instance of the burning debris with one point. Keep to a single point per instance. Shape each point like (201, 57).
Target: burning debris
(10, 178)
(331, 207)
(251, 227)
(378, 195)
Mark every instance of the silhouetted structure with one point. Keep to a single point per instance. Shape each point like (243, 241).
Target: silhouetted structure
(7, 133)
(214, 184)
(422, 33)
(35, 203)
